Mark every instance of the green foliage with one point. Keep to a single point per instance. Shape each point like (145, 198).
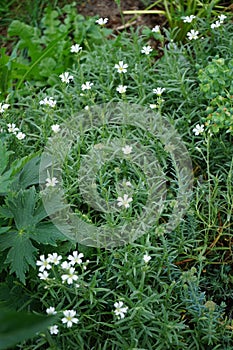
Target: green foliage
(22, 214)
(217, 87)
(18, 326)
(43, 52)
(182, 297)
(5, 176)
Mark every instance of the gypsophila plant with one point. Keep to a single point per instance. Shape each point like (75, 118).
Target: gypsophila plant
(71, 149)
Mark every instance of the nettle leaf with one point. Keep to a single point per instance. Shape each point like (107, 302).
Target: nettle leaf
(47, 233)
(21, 252)
(22, 206)
(51, 203)
(26, 208)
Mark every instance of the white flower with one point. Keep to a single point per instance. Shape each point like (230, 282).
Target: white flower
(75, 258)
(199, 129)
(121, 89)
(53, 329)
(66, 265)
(128, 183)
(153, 106)
(158, 91)
(66, 77)
(102, 21)
(146, 258)
(70, 277)
(120, 311)
(69, 318)
(75, 48)
(43, 275)
(222, 18)
(124, 201)
(20, 135)
(48, 101)
(51, 310)
(188, 19)
(12, 128)
(156, 29)
(121, 67)
(127, 149)
(86, 108)
(56, 128)
(51, 182)
(146, 49)
(54, 258)
(87, 86)
(3, 107)
(216, 24)
(193, 34)
(43, 263)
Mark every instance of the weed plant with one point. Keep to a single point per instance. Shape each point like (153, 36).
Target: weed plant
(167, 289)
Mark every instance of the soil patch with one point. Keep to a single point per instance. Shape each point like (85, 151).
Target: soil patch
(109, 9)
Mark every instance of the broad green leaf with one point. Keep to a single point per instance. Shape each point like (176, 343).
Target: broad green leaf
(29, 37)
(5, 178)
(29, 175)
(18, 164)
(45, 53)
(16, 327)
(54, 202)
(5, 182)
(5, 212)
(47, 66)
(22, 206)
(4, 156)
(4, 229)
(13, 296)
(21, 252)
(47, 233)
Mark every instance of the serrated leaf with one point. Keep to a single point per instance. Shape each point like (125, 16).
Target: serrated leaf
(21, 253)
(16, 327)
(5, 212)
(47, 233)
(51, 203)
(22, 206)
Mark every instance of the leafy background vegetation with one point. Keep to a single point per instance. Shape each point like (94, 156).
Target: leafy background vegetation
(182, 297)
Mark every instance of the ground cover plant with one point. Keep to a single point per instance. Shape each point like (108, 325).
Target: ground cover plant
(116, 184)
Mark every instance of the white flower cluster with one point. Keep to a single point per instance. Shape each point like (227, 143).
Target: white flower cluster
(219, 22)
(66, 268)
(14, 130)
(68, 319)
(3, 107)
(48, 101)
(70, 276)
(193, 34)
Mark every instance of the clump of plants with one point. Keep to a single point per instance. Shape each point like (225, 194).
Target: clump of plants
(133, 148)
